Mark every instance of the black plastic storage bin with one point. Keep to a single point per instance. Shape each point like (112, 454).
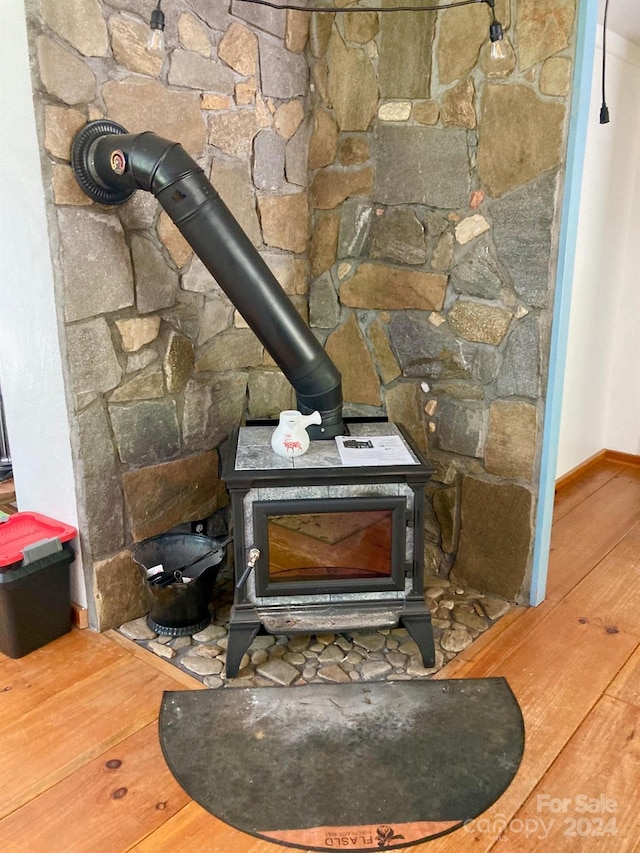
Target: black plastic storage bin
(179, 609)
(35, 604)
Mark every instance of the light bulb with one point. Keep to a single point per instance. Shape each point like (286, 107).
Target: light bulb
(155, 42)
(498, 50)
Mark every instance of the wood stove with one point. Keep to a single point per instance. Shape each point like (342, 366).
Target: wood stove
(358, 531)
(320, 546)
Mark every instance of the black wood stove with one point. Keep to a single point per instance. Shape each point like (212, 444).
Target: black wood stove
(320, 546)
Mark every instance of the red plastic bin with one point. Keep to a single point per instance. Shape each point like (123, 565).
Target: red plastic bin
(35, 605)
(25, 529)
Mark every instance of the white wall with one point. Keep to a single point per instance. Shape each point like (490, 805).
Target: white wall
(30, 360)
(622, 429)
(601, 400)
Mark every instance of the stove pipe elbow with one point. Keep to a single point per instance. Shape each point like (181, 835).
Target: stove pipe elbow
(111, 164)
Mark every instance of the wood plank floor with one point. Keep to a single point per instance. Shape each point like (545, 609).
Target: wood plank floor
(82, 770)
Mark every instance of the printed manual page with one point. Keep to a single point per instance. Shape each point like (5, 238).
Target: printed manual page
(374, 450)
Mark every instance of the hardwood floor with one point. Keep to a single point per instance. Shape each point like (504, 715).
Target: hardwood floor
(82, 768)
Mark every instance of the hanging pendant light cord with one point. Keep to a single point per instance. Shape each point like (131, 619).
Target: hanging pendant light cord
(604, 109)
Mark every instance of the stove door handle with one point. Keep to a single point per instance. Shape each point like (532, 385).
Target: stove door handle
(254, 554)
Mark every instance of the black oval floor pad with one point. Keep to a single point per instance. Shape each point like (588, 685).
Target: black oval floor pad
(354, 767)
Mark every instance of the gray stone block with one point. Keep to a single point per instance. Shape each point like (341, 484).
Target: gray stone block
(146, 432)
(270, 393)
(156, 283)
(522, 232)
(461, 428)
(268, 161)
(212, 409)
(477, 274)
(355, 225)
(397, 235)
(421, 165)
(63, 74)
(283, 75)
(193, 71)
(435, 353)
(104, 511)
(103, 505)
(520, 369)
(324, 308)
(92, 358)
(96, 264)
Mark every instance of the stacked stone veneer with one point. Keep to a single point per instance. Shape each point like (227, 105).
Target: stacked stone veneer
(403, 191)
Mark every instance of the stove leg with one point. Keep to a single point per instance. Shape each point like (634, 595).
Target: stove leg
(243, 627)
(421, 631)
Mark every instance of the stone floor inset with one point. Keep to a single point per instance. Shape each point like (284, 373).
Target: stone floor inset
(458, 617)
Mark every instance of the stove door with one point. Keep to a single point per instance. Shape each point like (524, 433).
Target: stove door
(332, 545)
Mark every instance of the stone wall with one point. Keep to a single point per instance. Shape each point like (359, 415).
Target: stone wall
(402, 190)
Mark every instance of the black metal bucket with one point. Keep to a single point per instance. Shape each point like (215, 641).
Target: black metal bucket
(180, 608)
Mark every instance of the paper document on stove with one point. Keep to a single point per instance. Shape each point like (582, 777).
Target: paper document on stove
(374, 450)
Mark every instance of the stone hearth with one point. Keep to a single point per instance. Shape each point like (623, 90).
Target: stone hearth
(459, 616)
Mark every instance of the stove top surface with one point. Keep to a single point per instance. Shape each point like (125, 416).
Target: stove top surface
(254, 448)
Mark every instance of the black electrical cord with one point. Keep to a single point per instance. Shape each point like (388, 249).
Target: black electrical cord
(604, 109)
(310, 8)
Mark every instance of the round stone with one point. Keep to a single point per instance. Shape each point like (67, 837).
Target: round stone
(138, 629)
(213, 681)
(495, 608)
(209, 634)
(374, 669)
(410, 648)
(434, 592)
(161, 650)
(331, 654)
(370, 642)
(455, 640)
(202, 666)
(396, 659)
(470, 619)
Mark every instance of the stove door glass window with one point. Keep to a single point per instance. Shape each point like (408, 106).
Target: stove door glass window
(336, 545)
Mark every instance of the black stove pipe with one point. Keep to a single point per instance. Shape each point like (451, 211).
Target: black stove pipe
(111, 164)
